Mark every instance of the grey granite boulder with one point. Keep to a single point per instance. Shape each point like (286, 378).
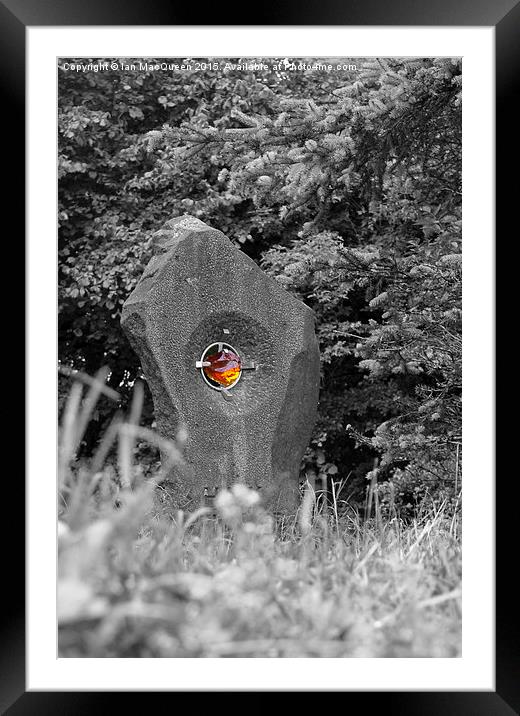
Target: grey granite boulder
(198, 290)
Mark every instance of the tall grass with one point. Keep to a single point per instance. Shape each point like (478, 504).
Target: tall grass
(138, 578)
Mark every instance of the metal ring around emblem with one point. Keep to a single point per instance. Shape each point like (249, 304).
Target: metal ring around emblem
(203, 363)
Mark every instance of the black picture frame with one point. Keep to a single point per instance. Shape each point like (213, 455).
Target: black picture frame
(15, 17)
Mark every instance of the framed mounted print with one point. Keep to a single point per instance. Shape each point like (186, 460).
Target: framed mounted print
(274, 357)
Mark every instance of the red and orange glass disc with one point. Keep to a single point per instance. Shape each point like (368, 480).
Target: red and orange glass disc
(221, 366)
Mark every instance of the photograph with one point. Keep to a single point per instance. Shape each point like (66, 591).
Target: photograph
(260, 262)
(260, 366)
(259, 357)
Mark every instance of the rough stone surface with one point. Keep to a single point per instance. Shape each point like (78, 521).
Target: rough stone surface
(196, 285)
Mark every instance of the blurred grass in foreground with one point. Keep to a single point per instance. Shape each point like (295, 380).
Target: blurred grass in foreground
(138, 581)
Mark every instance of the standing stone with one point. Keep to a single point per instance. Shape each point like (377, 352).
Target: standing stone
(198, 290)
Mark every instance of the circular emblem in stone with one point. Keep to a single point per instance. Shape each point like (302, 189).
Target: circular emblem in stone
(220, 366)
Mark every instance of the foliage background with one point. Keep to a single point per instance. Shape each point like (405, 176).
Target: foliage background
(345, 185)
